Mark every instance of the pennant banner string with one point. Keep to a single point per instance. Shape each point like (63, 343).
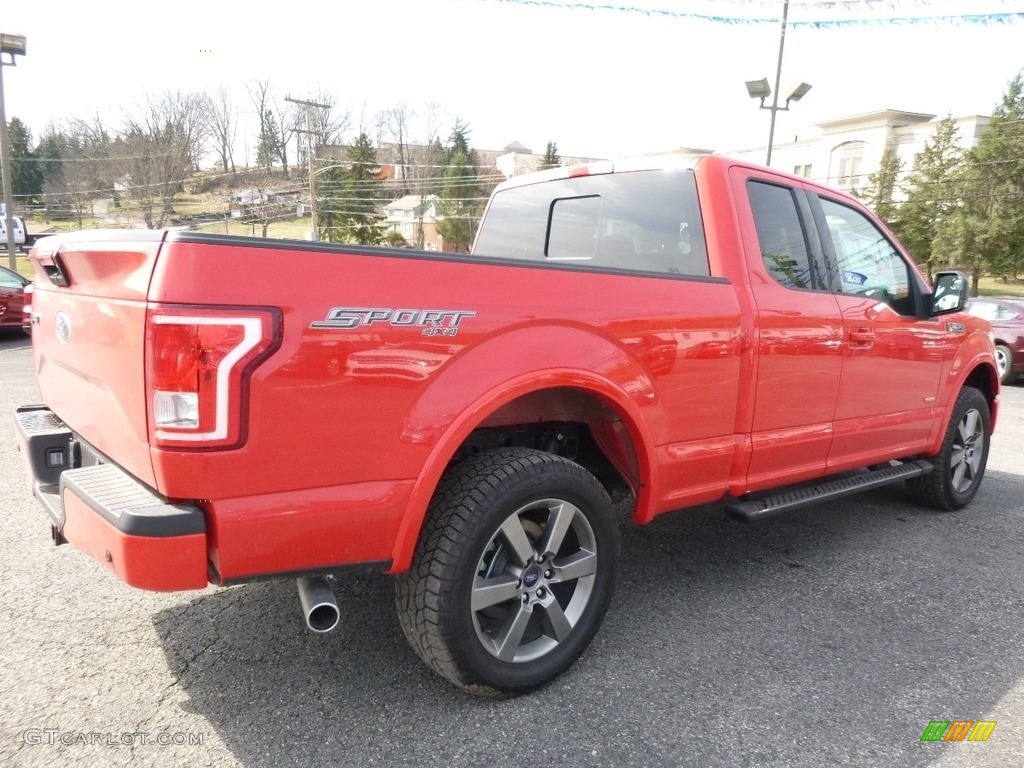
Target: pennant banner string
(817, 15)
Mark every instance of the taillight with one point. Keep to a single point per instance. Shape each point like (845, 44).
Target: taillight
(26, 308)
(198, 364)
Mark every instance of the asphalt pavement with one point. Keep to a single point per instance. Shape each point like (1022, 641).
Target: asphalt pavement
(828, 637)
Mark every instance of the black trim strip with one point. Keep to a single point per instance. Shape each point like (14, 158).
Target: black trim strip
(377, 567)
(207, 238)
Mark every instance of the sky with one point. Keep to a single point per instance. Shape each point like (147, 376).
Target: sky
(601, 78)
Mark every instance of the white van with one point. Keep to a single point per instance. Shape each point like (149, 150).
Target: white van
(19, 232)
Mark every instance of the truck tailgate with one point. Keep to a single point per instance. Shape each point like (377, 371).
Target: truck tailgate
(88, 331)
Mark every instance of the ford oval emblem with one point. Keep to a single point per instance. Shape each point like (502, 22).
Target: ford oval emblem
(63, 328)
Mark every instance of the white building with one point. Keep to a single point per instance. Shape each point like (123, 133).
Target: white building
(409, 215)
(847, 150)
(517, 159)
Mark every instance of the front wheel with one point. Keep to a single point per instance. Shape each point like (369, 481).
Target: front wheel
(1004, 364)
(960, 464)
(513, 572)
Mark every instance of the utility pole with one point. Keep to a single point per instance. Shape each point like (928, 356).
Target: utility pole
(309, 156)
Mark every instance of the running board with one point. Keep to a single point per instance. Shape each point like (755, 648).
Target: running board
(767, 506)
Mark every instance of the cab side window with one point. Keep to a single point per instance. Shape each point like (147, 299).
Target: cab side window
(781, 234)
(636, 221)
(867, 263)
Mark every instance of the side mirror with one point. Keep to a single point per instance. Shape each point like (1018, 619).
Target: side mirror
(950, 294)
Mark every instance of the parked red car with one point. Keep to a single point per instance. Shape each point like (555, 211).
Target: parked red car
(12, 298)
(1007, 319)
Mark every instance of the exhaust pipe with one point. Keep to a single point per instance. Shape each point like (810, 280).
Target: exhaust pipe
(318, 603)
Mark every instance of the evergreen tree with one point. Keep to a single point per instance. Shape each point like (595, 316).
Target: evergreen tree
(985, 232)
(458, 141)
(267, 150)
(51, 151)
(77, 166)
(551, 157)
(349, 210)
(459, 191)
(330, 193)
(882, 186)
(931, 191)
(26, 174)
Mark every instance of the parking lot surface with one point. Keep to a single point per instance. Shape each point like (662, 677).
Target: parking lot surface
(828, 637)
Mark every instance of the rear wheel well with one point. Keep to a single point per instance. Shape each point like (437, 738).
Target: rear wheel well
(571, 423)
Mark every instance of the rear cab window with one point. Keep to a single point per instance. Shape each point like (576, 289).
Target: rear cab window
(636, 221)
(780, 233)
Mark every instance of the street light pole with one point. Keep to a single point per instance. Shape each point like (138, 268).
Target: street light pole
(5, 161)
(778, 78)
(11, 45)
(760, 89)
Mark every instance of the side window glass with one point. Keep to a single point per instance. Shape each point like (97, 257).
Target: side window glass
(780, 234)
(868, 264)
(641, 221)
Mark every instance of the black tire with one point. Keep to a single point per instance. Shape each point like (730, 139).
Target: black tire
(960, 464)
(1004, 362)
(485, 539)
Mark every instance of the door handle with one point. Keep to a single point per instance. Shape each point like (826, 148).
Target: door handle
(861, 337)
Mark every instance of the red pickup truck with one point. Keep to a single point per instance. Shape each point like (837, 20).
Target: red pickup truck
(221, 409)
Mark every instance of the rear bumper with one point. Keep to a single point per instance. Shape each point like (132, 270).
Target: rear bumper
(108, 514)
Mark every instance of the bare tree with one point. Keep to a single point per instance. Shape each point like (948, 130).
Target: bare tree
(393, 122)
(328, 124)
(266, 139)
(264, 206)
(428, 161)
(288, 125)
(160, 144)
(277, 125)
(222, 123)
(76, 165)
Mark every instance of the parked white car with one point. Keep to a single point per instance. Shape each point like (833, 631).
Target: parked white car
(19, 232)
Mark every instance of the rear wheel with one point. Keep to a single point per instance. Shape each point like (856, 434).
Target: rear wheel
(1004, 363)
(960, 465)
(513, 573)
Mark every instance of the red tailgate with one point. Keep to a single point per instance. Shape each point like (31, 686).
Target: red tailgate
(89, 317)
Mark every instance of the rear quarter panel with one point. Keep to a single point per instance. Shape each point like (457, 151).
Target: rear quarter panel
(345, 421)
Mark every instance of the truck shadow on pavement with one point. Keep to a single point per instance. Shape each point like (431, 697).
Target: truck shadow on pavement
(831, 636)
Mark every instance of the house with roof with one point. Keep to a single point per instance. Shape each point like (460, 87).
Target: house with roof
(415, 217)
